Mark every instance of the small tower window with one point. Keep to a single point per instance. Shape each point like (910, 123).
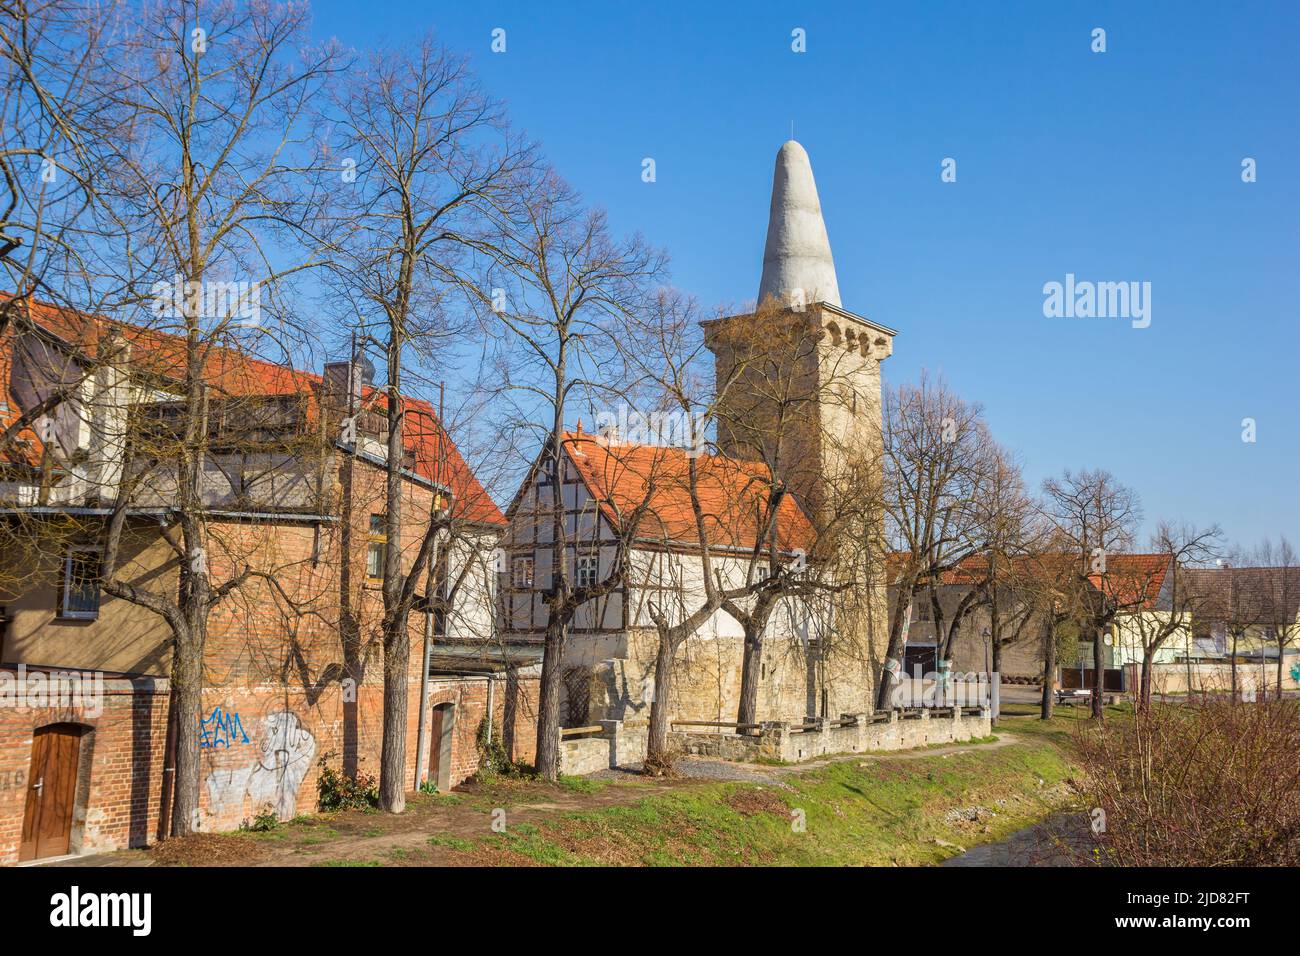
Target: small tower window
(376, 548)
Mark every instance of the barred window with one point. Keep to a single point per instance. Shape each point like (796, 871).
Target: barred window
(522, 572)
(587, 570)
(79, 594)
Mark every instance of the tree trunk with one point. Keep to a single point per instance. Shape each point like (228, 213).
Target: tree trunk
(751, 670)
(187, 688)
(1049, 670)
(548, 705)
(1234, 667)
(995, 662)
(397, 639)
(657, 757)
(392, 760)
(1144, 687)
(1097, 711)
(894, 651)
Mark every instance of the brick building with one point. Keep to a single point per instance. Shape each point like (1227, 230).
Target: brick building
(293, 489)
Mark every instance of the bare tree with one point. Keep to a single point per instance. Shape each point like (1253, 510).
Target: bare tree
(1275, 593)
(767, 408)
(204, 190)
(56, 128)
(564, 291)
(427, 169)
(1168, 590)
(1095, 516)
(936, 465)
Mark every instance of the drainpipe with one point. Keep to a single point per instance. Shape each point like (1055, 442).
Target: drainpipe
(169, 767)
(421, 744)
(431, 579)
(492, 687)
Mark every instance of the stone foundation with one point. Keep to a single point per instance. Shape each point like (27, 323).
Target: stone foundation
(855, 733)
(615, 746)
(619, 746)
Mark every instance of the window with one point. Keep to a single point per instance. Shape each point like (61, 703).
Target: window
(587, 570)
(376, 548)
(79, 594)
(522, 573)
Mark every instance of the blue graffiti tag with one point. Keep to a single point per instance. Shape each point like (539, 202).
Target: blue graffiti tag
(221, 729)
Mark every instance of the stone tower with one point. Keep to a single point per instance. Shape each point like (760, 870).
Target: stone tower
(799, 379)
(798, 384)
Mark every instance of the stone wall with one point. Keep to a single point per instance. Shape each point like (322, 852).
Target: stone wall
(1255, 677)
(707, 678)
(619, 745)
(899, 730)
(616, 746)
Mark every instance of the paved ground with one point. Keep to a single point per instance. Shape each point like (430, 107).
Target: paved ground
(705, 768)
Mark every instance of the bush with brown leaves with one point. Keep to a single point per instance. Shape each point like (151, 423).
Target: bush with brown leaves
(1212, 783)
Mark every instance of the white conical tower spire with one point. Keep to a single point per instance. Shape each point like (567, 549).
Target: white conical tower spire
(797, 264)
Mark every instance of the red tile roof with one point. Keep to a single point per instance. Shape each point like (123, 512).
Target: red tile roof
(1133, 580)
(735, 496)
(1130, 580)
(1267, 595)
(161, 355)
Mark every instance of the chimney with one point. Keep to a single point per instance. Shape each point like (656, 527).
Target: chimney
(345, 382)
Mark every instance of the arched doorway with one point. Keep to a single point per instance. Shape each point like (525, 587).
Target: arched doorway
(51, 791)
(441, 730)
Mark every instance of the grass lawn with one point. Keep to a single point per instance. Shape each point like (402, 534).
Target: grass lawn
(904, 808)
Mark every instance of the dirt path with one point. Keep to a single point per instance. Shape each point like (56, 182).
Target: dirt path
(442, 830)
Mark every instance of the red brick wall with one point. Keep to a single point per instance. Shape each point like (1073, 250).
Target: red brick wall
(275, 666)
(273, 758)
(118, 800)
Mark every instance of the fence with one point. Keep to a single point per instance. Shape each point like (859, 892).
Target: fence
(974, 689)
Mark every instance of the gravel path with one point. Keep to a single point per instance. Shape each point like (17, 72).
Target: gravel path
(703, 768)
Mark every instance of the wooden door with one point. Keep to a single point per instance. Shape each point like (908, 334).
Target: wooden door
(435, 742)
(51, 789)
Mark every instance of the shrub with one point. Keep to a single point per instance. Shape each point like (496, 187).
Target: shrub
(338, 791)
(493, 760)
(265, 821)
(1197, 784)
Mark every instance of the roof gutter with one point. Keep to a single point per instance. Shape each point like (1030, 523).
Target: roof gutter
(164, 512)
(382, 463)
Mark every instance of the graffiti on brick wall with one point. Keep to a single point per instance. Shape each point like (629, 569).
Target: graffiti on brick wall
(13, 779)
(220, 729)
(285, 752)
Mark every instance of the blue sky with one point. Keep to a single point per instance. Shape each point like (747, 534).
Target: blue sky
(1115, 166)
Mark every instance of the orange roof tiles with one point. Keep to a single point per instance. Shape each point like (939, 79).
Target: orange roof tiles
(735, 496)
(1129, 580)
(232, 372)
